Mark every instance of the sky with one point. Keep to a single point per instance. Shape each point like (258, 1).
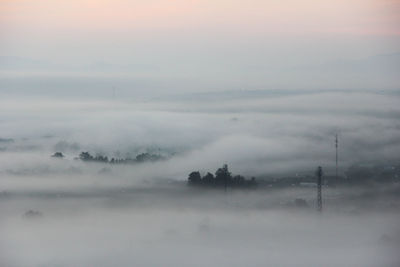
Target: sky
(206, 45)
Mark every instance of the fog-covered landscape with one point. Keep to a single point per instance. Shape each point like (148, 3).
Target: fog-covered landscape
(199, 133)
(70, 212)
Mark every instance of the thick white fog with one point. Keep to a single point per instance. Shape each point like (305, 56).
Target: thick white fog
(181, 229)
(66, 212)
(256, 132)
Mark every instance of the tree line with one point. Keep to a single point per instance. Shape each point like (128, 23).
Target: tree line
(222, 178)
(87, 157)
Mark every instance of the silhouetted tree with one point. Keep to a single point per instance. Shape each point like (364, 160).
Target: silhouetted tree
(100, 158)
(85, 156)
(194, 178)
(223, 176)
(148, 157)
(208, 179)
(58, 155)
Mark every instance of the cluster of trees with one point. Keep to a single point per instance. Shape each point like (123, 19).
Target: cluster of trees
(86, 156)
(143, 157)
(222, 178)
(58, 155)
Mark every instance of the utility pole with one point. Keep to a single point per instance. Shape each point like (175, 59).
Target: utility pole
(336, 146)
(319, 186)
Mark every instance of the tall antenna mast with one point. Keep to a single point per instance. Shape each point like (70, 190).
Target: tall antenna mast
(336, 146)
(319, 188)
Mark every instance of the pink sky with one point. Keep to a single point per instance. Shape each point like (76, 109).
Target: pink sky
(200, 37)
(365, 17)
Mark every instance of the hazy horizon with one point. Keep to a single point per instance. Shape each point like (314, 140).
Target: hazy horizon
(195, 46)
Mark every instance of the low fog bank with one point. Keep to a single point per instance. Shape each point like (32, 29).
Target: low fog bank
(255, 134)
(173, 225)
